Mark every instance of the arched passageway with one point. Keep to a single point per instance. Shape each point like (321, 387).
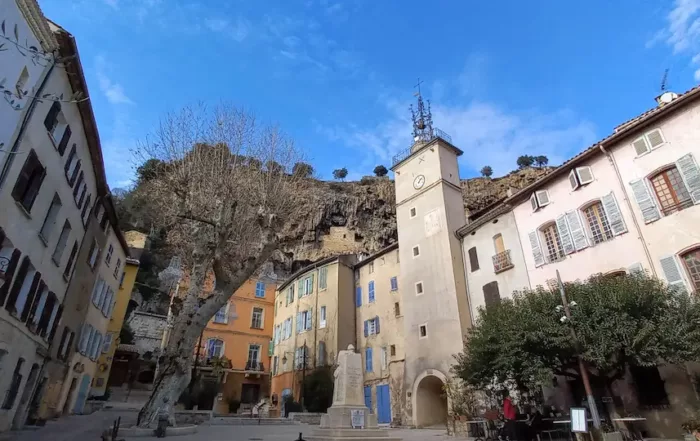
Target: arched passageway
(431, 402)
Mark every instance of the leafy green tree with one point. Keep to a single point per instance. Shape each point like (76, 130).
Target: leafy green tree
(303, 170)
(149, 170)
(525, 161)
(619, 321)
(340, 173)
(541, 160)
(487, 171)
(380, 171)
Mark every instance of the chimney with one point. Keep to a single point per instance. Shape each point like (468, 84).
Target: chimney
(666, 98)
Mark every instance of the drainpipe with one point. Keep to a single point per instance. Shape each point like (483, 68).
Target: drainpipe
(522, 248)
(466, 277)
(640, 236)
(316, 312)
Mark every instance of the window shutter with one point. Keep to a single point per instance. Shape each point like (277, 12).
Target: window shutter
(646, 203)
(74, 176)
(635, 268)
(655, 138)
(473, 259)
(64, 141)
(533, 202)
(17, 286)
(573, 180)
(672, 272)
(300, 288)
(613, 213)
(309, 319)
(35, 303)
(310, 288)
(25, 174)
(640, 146)
(536, 250)
(491, 294)
(542, 198)
(30, 297)
(376, 324)
(566, 242)
(691, 176)
(299, 324)
(394, 283)
(322, 353)
(358, 296)
(585, 175)
(370, 291)
(578, 234)
(71, 155)
(80, 181)
(52, 115)
(368, 359)
(46, 315)
(11, 267)
(366, 328)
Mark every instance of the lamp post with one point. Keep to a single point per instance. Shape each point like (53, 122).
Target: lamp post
(581, 364)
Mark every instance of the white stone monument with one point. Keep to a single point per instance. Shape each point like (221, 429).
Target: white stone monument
(348, 418)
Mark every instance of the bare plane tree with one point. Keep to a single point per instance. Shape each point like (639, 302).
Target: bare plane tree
(224, 212)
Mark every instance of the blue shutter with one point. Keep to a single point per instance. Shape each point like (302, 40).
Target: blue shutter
(366, 328)
(371, 291)
(358, 296)
(368, 359)
(309, 323)
(298, 322)
(368, 397)
(310, 288)
(394, 284)
(376, 322)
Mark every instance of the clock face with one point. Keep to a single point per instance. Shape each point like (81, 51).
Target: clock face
(418, 182)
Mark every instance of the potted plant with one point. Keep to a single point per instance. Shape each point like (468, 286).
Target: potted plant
(692, 429)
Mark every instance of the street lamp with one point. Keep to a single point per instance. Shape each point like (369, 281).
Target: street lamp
(566, 306)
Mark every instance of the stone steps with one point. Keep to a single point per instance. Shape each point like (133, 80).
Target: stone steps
(238, 421)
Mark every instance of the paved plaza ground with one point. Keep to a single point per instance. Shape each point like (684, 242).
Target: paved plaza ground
(90, 427)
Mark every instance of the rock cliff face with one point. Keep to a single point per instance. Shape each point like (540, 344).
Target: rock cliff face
(360, 217)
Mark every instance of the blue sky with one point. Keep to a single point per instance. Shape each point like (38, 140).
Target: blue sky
(505, 78)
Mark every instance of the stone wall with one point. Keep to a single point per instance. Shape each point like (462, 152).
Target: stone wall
(313, 419)
(148, 330)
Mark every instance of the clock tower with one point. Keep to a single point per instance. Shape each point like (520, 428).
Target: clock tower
(429, 209)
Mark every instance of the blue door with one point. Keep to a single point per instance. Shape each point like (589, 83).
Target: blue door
(383, 404)
(368, 398)
(82, 394)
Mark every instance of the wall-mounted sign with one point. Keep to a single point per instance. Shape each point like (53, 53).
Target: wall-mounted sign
(579, 422)
(358, 418)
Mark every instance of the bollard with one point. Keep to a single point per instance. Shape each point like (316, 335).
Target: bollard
(163, 418)
(300, 438)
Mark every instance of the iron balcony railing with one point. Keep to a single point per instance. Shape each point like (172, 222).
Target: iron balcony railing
(682, 205)
(502, 261)
(254, 366)
(427, 137)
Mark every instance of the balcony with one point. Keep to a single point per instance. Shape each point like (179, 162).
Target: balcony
(427, 137)
(254, 366)
(502, 261)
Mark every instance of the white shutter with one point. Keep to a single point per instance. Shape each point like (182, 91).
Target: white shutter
(533, 202)
(542, 198)
(691, 175)
(573, 180)
(635, 268)
(612, 212)
(655, 138)
(536, 249)
(640, 146)
(646, 203)
(672, 272)
(578, 234)
(585, 175)
(565, 235)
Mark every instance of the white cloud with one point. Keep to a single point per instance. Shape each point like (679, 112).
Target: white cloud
(113, 3)
(113, 91)
(682, 32)
(237, 30)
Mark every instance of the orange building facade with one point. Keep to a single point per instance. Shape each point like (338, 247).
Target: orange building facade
(241, 332)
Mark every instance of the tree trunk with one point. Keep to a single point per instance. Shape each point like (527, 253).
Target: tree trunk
(177, 357)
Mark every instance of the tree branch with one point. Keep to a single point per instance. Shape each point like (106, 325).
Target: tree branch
(192, 217)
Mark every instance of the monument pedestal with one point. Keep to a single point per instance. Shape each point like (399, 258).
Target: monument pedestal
(348, 418)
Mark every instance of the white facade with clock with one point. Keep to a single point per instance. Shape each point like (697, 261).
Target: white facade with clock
(429, 209)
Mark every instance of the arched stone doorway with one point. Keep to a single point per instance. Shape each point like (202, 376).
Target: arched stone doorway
(430, 399)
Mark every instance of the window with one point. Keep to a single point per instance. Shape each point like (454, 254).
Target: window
(38, 308)
(48, 316)
(392, 350)
(108, 257)
(423, 331)
(322, 356)
(275, 365)
(371, 267)
(539, 199)
(22, 287)
(554, 250)
(56, 123)
(598, 224)
(372, 326)
(117, 267)
(72, 166)
(84, 214)
(413, 212)
(81, 195)
(61, 244)
(300, 357)
(260, 289)
(107, 343)
(473, 259)
(394, 283)
(14, 386)
(29, 181)
(71, 260)
(290, 294)
(397, 309)
(323, 278)
(580, 176)
(215, 348)
(253, 354)
(92, 255)
(368, 360)
(221, 315)
(671, 191)
(385, 358)
(419, 288)
(691, 260)
(304, 321)
(358, 296)
(97, 292)
(416, 251)
(50, 219)
(322, 319)
(78, 186)
(22, 83)
(648, 142)
(491, 294)
(370, 291)
(257, 319)
(650, 386)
